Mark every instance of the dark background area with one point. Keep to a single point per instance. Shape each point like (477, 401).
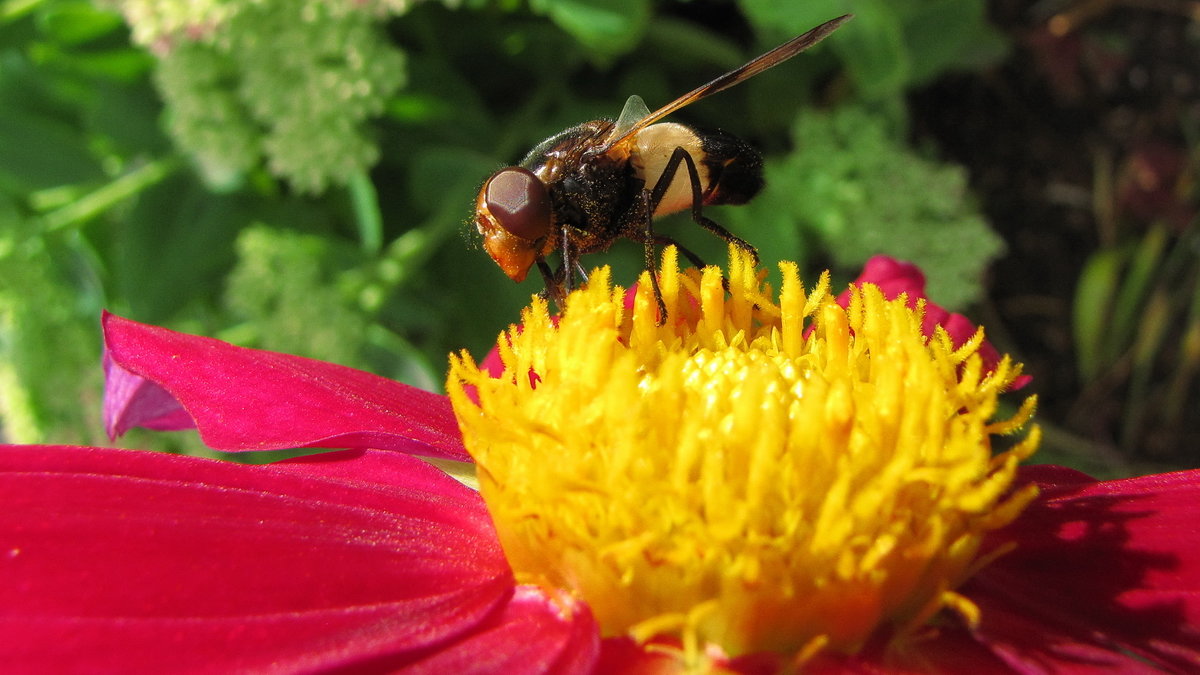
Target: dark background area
(1082, 147)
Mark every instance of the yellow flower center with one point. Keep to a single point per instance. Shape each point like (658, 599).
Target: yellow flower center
(757, 474)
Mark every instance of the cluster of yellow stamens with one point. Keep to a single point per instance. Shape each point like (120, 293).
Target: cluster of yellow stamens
(756, 474)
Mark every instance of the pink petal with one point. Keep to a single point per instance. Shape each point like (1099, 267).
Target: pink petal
(957, 326)
(250, 399)
(535, 634)
(493, 365)
(892, 276)
(1106, 575)
(132, 401)
(127, 561)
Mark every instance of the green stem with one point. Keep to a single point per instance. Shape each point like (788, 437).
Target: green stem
(106, 197)
(369, 220)
(15, 9)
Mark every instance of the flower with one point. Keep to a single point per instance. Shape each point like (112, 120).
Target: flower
(373, 561)
(896, 277)
(728, 490)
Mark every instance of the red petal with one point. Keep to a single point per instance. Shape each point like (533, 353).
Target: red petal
(1032, 645)
(127, 561)
(935, 651)
(1113, 565)
(250, 399)
(944, 650)
(534, 634)
(623, 655)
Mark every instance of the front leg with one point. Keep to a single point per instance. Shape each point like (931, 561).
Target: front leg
(554, 283)
(561, 281)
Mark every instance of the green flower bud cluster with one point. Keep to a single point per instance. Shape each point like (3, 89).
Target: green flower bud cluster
(295, 293)
(289, 82)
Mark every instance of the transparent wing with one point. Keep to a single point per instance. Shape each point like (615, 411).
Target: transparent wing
(635, 111)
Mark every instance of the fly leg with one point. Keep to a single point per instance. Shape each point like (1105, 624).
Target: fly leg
(649, 201)
(648, 238)
(560, 282)
(570, 266)
(681, 156)
(554, 283)
(664, 240)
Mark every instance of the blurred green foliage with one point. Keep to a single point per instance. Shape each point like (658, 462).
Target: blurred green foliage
(850, 193)
(298, 174)
(1136, 327)
(291, 82)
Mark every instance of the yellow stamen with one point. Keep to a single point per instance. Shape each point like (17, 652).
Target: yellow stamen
(756, 474)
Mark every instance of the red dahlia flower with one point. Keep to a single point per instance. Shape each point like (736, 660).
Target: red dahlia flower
(369, 560)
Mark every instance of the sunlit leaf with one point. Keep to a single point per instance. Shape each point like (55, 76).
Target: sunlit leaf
(77, 21)
(607, 27)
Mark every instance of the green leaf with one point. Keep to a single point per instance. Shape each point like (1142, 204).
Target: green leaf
(873, 49)
(72, 23)
(944, 35)
(447, 177)
(1155, 325)
(127, 118)
(174, 247)
(367, 218)
(13, 10)
(87, 206)
(1092, 309)
(781, 20)
(1178, 402)
(41, 152)
(606, 27)
(683, 42)
(891, 45)
(120, 64)
(871, 45)
(1129, 304)
(444, 184)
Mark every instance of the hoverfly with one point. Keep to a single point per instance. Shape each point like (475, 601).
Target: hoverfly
(583, 188)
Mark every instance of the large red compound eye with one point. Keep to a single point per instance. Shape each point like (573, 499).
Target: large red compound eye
(518, 201)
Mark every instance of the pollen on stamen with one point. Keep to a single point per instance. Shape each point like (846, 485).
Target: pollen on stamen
(755, 474)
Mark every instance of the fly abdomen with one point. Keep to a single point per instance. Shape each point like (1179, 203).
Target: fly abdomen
(734, 168)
